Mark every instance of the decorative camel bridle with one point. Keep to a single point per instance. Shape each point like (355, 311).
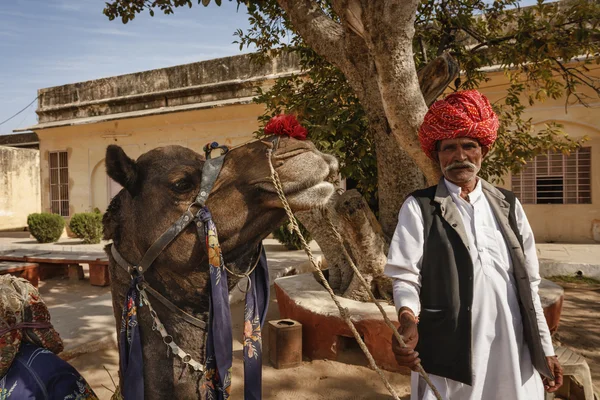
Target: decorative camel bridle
(218, 351)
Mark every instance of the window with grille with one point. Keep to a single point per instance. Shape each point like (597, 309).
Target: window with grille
(59, 183)
(555, 178)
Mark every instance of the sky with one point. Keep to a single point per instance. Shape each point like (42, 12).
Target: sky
(46, 43)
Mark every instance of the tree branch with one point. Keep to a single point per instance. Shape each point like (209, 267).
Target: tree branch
(494, 41)
(319, 31)
(435, 77)
(575, 77)
(350, 12)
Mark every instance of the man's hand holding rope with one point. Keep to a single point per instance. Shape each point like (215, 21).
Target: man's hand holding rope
(407, 356)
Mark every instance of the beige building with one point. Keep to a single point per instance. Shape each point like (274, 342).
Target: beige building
(193, 104)
(188, 105)
(560, 193)
(19, 186)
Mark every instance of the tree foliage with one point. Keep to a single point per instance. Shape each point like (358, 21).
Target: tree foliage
(286, 235)
(547, 51)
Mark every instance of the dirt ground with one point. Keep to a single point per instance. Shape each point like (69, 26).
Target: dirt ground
(579, 327)
(313, 380)
(352, 379)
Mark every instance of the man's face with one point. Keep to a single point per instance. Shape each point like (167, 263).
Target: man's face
(460, 159)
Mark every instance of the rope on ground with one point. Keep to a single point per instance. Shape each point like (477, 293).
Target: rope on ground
(343, 311)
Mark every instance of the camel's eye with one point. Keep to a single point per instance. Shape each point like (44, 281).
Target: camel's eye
(183, 185)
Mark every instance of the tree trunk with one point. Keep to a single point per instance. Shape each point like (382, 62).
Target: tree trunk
(372, 46)
(397, 177)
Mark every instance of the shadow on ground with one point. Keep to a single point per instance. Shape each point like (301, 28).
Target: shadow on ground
(579, 328)
(80, 312)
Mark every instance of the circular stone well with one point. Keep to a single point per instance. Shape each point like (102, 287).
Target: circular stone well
(324, 332)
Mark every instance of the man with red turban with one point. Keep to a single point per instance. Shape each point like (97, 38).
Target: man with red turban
(465, 271)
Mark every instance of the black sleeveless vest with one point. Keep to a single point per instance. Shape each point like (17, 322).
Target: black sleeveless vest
(445, 336)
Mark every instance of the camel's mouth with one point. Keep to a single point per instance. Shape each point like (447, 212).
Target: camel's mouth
(307, 180)
(307, 176)
(314, 196)
(294, 189)
(302, 197)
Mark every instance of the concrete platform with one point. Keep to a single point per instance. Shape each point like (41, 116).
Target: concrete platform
(325, 333)
(63, 244)
(568, 259)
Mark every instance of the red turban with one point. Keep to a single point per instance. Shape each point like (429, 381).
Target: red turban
(461, 114)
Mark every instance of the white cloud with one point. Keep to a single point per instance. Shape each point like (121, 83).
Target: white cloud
(106, 31)
(35, 16)
(75, 5)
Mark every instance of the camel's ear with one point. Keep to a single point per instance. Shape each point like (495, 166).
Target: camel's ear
(121, 168)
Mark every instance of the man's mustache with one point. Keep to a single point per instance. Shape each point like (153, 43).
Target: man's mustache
(461, 164)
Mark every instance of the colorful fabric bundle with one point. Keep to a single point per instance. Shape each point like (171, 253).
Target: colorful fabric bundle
(23, 316)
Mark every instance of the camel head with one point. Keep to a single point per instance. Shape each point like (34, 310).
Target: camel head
(159, 186)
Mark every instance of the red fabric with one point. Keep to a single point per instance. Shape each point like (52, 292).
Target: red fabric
(461, 114)
(286, 124)
(23, 325)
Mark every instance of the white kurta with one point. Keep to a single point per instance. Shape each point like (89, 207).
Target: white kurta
(502, 367)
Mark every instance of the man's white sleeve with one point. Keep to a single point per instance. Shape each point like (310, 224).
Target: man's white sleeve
(405, 255)
(533, 269)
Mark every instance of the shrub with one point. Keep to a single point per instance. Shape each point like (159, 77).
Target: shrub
(289, 238)
(87, 226)
(45, 227)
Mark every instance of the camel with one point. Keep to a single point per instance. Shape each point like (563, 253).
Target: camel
(157, 189)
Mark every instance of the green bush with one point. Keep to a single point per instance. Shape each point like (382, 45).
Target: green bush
(289, 238)
(87, 226)
(45, 227)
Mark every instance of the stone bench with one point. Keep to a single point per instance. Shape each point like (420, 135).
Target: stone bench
(26, 270)
(325, 334)
(551, 296)
(64, 263)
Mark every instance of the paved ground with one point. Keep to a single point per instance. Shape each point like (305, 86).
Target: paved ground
(81, 313)
(571, 253)
(559, 252)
